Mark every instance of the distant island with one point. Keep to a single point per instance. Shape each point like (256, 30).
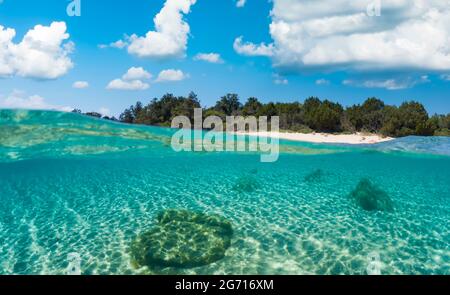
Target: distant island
(313, 115)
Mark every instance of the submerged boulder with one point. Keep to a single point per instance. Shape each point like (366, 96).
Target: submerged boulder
(370, 197)
(315, 176)
(246, 183)
(254, 171)
(183, 239)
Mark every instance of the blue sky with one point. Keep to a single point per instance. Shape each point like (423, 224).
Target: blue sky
(275, 61)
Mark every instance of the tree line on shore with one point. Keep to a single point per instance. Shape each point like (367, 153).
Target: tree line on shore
(313, 115)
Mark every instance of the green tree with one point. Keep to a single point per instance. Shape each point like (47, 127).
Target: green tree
(229, 104)
(322, 116)
(185, 106)
(290, 116)
(372, 115)
(367, 117)
(127, 116)
(328, 117)
(440, 124)
(251, 107)
(354, 116)
(268, 110)
(409, 119)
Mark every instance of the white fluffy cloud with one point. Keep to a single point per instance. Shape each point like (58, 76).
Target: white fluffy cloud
(138, 79)
(43, 52)
(279, 80)
(240, 3)
(119, 84)
(171, 75)
(322, 82)
(250, 49)
(339, 34)
(118, 44)
(80, 85)
(19, 100)
(135, 73)
(389, 84)
(171, 33)
(209, 57)
(131, 80)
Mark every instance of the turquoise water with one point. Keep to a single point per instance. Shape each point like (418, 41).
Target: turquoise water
(69, 183)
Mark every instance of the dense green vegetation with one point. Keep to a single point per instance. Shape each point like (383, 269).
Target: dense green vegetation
(95, 115)
(373, 116)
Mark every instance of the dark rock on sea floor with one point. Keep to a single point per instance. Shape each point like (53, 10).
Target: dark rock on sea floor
(370, 197)
(315, 176)
(183, 239)
(246, 184)
(254, 171)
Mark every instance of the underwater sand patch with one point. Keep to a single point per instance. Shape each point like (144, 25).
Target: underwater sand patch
(183, 239)
(371, 198)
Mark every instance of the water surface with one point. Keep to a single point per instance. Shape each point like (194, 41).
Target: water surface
(70, 183)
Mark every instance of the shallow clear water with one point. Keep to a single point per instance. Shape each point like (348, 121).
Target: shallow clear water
(74, 184)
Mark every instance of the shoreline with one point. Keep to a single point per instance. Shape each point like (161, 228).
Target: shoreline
(354, 139)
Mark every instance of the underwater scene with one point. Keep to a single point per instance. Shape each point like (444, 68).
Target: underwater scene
(125, 202)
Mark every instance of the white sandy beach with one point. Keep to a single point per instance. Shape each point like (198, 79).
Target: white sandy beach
(356, 138)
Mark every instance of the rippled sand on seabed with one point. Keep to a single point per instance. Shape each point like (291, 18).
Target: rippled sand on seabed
(90, 187)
